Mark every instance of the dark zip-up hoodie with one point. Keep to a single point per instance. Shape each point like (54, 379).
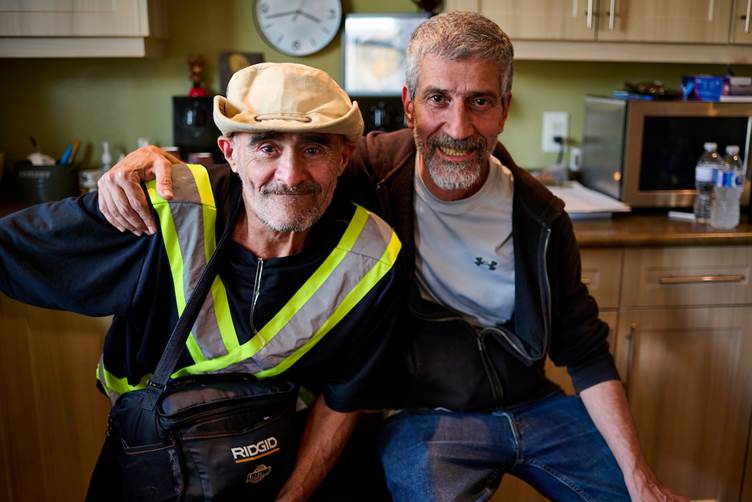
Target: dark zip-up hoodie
(442, 361)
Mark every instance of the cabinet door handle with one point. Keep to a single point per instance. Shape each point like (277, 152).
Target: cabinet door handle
(747, 16)
(631, 335)
(589, 14)
(612, 14)
(699, 279)
(586, 281)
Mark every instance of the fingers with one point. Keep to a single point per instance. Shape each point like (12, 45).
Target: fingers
(110, 214)
(115, 195)
(163, 173)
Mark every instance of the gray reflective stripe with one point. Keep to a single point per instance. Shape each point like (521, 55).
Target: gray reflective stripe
(188, 215)
(367, 249)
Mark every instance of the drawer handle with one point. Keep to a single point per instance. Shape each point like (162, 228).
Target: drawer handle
(698, 279)
(586, 281)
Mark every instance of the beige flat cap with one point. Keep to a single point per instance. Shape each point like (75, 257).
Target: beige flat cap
(286, 97)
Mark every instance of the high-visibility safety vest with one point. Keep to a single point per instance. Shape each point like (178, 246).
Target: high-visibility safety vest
(366, 251)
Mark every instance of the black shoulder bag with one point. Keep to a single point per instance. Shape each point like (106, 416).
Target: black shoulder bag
(206, 437)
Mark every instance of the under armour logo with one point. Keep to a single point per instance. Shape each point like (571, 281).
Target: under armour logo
(490, 264)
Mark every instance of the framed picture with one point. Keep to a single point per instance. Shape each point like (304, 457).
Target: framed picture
(232, 61)
(373, 52)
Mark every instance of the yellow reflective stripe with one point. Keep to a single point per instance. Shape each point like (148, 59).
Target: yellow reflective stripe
(365, 285)
(203, 185)
(309, 288)
(174, 257)
(223, 316)
(120, 385)
(219, 293)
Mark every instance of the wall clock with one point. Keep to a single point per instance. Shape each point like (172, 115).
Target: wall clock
(298, 27)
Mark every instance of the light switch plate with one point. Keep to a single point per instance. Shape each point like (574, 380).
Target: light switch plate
(554, 124)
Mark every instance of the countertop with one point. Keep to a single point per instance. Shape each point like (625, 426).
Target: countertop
(656, 229)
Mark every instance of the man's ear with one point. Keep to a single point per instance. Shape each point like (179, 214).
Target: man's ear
(347, 151)
(408, 106)
(507, 101)
(225, 144)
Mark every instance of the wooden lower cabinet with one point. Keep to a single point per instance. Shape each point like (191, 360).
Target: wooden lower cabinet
(688, 376)
(53, 417)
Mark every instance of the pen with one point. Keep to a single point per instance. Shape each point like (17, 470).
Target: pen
(66, 155)
(72, 157)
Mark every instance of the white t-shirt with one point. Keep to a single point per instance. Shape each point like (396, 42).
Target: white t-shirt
(464, 249)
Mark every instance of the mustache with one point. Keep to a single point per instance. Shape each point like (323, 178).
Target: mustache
(473, 143)
(302, 188)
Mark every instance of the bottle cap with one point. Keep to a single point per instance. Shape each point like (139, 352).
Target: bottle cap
(732, 149)
(710, 147)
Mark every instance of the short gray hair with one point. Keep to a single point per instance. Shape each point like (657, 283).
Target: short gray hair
(457, 36)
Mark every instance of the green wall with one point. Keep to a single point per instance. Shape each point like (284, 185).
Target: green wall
(120, 100)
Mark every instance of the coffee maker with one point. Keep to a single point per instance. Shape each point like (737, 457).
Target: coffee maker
(193, 128)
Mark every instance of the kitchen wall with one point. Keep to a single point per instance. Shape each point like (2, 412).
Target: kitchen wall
(120, 100)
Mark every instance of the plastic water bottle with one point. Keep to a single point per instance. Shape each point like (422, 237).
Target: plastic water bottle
(708, 163)
(729, 182)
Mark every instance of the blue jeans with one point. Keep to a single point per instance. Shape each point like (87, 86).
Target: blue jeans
(552, 444)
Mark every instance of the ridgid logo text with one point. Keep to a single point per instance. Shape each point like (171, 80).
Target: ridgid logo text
(253, 451)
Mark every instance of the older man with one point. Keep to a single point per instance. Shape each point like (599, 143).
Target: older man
(495, 287)
(298, 255)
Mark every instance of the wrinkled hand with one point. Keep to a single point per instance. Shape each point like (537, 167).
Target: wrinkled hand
(121, 199)
(643, 486)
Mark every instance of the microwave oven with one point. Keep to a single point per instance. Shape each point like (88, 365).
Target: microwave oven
(644, 152)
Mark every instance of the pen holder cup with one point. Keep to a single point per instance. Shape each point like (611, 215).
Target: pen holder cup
(33, 184)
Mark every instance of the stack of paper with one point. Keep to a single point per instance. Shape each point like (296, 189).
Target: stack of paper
(581, 202)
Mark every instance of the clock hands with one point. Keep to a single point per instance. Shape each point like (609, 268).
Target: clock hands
(296, 13)
(280, 14)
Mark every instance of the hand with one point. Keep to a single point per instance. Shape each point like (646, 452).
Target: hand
(121, 199)
(643, 486)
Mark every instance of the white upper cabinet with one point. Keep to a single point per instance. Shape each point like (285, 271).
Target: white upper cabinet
(81, 28)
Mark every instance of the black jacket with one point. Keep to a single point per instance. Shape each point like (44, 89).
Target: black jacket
(443, 360)
(65, 255)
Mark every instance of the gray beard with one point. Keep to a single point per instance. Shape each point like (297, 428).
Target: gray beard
(452, 175)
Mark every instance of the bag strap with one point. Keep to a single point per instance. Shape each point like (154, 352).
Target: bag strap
(176, 343)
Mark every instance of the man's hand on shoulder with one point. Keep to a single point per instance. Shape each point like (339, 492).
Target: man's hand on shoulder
(121, 199)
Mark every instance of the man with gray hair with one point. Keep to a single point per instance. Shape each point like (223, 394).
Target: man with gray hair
(493, 273)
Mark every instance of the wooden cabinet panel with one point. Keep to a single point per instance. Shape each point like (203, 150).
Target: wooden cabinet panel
(54, 417)
(741, 22)
(601, 273)
(688, 375)
(710, 275)
(543, 19)
(685, 21)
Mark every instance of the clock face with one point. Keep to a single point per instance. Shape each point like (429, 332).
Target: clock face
(298, 27)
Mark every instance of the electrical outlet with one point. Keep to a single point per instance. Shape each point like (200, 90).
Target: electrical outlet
(554, 124)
